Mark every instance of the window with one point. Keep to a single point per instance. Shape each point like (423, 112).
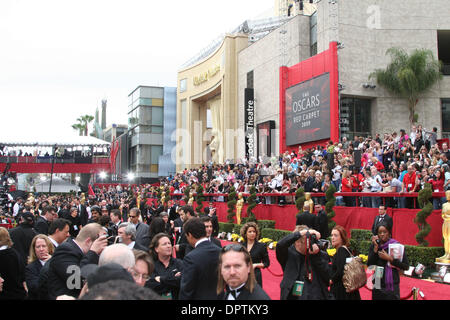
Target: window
(444, 50)
(354, 117)
(156, 151)
(445, 118)
(250, 80)
(208, 119)
(313, 34)
(183, 85)
(157, 116)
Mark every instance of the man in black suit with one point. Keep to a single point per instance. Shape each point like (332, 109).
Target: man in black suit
(211, 212)
(382, 216)
(82, 212)
(43, 221)
(237, 279)
(321, 222)
(199, 277)
(64, 268)
(183, 247)
(173, 214)
(209, 229)
(306, 218)
(116, 220)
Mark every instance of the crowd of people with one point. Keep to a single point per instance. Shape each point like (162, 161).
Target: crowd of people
(399, 163)
(168, 252)
(123, 235)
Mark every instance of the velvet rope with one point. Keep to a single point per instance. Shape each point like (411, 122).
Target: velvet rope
(409, 295)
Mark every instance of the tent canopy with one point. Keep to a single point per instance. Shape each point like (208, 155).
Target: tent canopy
(68, 141)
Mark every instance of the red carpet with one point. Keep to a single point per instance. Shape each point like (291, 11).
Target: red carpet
(273, 275)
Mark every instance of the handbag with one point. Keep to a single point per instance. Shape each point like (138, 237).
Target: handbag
(354, 274)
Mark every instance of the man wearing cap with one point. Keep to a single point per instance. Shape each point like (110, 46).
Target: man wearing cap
(22, 235)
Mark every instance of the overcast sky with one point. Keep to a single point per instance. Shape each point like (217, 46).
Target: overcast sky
(60, 58)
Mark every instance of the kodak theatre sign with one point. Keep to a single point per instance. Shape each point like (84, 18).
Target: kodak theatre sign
(205, 76)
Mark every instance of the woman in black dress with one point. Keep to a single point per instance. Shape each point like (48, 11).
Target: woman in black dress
(257, 250)
(340, 241)
(12, 270)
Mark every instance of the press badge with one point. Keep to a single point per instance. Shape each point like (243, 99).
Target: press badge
(297, 289)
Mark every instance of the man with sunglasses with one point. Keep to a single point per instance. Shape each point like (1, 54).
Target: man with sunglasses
(236, 275)
(199, 277)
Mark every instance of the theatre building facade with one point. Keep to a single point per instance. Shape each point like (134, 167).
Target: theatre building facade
(307, 81)
(310, 77)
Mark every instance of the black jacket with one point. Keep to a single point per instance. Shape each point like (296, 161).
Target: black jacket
(337, 272)
(257, 294)
(13, 272)
(22, 236)
(168, 282)
(307, 219)
(322, 224)
(32, 272)
(293, 264)
(199, 278)
(259, 254)
(41, 225)
(83, 214)
(387, 219)
(215, 241)
(63, 265)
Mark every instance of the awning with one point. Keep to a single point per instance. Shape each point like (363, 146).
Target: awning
(70, 141)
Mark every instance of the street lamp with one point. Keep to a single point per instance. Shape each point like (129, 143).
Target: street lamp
(130, 176)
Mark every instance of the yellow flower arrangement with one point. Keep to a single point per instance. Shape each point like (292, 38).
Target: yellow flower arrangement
(364, 258)
(234, 237)
(331, 252)
(266, 240)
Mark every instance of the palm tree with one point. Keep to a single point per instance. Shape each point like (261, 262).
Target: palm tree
(409, 76)
(86, 119)
(78, 126)
(82, 124)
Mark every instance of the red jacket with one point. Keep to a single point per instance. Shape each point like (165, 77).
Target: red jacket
(409, 181)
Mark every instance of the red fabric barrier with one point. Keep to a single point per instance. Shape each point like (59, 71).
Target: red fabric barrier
(404, 229)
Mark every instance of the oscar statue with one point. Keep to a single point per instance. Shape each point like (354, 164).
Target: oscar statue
(446, 230)
(239, 205)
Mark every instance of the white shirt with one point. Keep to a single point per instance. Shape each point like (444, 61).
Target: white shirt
(200, 241)
(131, 245)
(16, 209)
(55, 244)
(230, 296)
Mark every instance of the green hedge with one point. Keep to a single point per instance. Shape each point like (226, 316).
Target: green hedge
(226, 227)
(361, 235)
(425, 255)
(262, 224)
(237, 228)
(274, 234)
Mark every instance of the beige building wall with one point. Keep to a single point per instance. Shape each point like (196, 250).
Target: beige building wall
(263, 57)
(367, 29)
(211, 83)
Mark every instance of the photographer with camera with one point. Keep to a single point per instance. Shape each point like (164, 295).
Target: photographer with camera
(304, 261)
